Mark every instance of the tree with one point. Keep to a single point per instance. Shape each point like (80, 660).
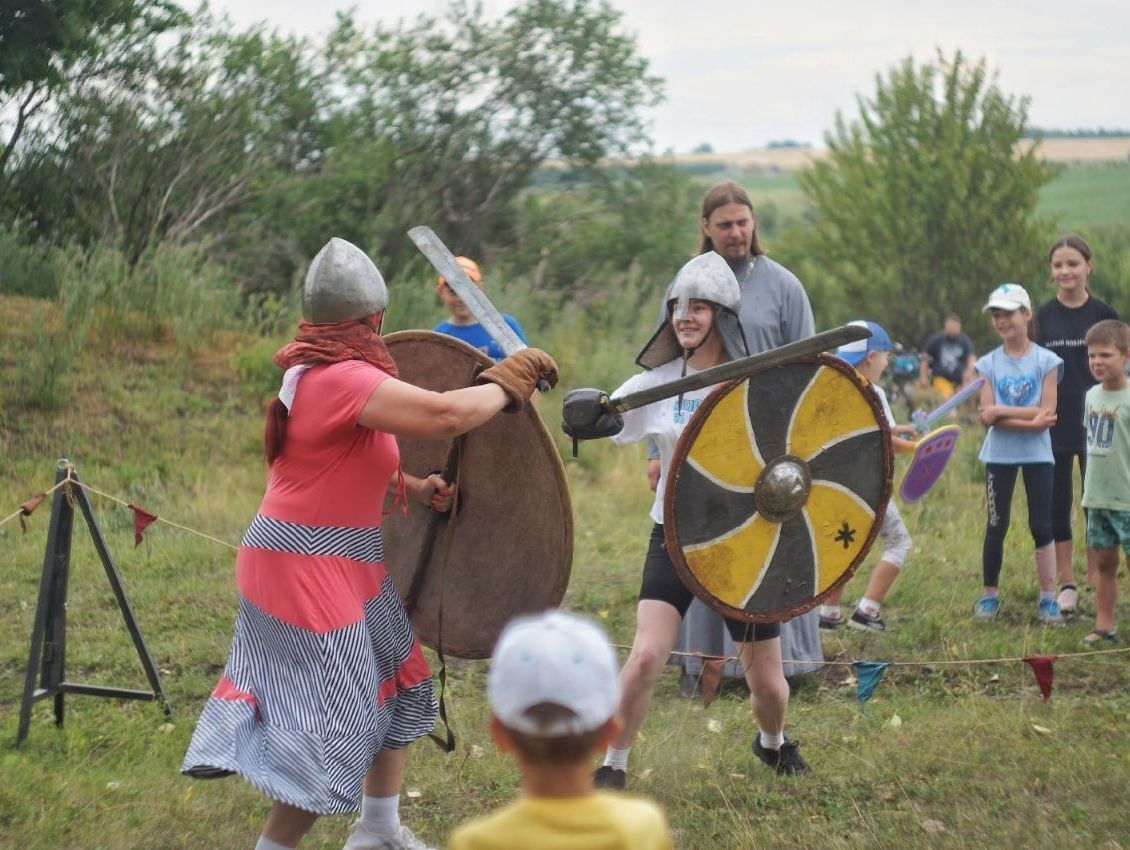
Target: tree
(926, 202)
(46, 44)
(263, 146)
(466, 109)
(166, 158)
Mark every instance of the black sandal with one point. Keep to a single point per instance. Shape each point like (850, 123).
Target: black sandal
(1097, 636)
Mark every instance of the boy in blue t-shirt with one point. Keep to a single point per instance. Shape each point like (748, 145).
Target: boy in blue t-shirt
(462, 324)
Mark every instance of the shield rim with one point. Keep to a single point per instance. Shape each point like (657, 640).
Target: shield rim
(558, 464)
(682, 448)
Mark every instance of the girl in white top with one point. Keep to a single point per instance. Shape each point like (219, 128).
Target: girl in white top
(702, 331)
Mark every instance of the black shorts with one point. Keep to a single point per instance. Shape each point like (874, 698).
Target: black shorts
(662, 583)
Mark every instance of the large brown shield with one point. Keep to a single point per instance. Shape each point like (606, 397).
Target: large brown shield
(777, 489)
(509, 549)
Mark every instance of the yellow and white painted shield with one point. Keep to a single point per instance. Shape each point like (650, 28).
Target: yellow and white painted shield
(777, 489)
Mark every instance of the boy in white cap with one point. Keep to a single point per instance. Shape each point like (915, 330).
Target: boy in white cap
(869, 357)
(553, 691)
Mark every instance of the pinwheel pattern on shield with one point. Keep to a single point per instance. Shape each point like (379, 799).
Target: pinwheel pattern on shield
(778, 488)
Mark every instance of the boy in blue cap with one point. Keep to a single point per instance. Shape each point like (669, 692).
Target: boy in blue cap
(869, 357)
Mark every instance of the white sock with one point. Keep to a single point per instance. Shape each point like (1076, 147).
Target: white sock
(772, 742)
(380, 814)
(617, 758)
(1047, 595)
(264, 843)
(869, 606)
(832, 611)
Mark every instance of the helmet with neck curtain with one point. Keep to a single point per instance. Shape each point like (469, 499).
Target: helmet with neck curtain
(707, 277)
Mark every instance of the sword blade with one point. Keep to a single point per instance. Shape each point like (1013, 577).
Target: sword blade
(476, 300)
(744, 367)
(951, 402)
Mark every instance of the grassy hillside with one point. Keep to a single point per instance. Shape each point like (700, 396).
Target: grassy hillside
(965, 748)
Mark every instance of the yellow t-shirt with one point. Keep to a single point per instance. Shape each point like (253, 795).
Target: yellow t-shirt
(602, 820)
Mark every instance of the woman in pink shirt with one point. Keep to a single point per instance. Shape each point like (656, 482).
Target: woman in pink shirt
(326, 685)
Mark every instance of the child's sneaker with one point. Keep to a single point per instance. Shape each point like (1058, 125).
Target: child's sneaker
(1048, 613)
(607, 776)
(786, 761)
(865, 622)
(1067, 600)
(361, 838)
(985, 608)
(828, 621)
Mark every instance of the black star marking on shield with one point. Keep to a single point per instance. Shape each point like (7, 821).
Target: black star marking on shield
(845, 535)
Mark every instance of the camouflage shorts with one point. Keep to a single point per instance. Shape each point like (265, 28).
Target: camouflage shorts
(1107, 529)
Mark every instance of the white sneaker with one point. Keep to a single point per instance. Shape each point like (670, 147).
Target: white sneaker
(361, 838)
(1067, 600)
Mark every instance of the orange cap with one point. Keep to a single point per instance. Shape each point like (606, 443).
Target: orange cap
(469, 266)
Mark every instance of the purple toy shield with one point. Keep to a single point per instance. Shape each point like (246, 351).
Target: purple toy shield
(930, 458)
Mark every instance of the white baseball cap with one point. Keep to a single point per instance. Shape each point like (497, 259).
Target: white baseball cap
(557, 658)
(1008, 296)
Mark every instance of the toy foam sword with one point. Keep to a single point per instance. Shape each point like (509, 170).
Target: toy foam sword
(933, 451)
(476, 300)
(923, 420)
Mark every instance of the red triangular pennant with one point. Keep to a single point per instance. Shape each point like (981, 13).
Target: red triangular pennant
(141, 521)
(710, 679)
(1042, 668)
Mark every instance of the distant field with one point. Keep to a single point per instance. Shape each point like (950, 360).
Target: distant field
(1085, 196)
(1066, 151)
(1081, 196)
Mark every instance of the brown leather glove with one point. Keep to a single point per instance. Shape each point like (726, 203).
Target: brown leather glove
(519, 374)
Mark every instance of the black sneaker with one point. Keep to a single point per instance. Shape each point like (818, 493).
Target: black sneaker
(607, 776)
(785, 761)
(863, 621)
(830, 623)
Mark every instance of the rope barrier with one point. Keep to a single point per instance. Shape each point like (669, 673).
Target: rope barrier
(71, 481)
(955, 661)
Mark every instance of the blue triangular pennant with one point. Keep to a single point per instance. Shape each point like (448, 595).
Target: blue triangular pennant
(867, 676)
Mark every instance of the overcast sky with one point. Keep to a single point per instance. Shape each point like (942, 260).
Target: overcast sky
(739, 75)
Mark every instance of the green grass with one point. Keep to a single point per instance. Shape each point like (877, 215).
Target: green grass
(1082, 197)
(974, 748)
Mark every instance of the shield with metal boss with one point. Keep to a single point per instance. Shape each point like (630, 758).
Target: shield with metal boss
(777, 489)
(506, 547)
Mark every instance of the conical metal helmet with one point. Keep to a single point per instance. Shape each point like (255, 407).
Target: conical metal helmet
(707, 277)
(342, 285)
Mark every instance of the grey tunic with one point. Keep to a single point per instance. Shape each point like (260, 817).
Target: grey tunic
(774, 311)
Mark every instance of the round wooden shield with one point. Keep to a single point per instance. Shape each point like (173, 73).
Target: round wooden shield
(510, 547)
(777, 489)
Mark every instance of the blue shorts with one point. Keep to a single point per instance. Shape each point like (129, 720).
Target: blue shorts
(1106, 529)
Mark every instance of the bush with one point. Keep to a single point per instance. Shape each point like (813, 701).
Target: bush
(26, 268)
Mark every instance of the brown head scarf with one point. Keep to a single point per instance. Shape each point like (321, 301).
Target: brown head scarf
(315, 345)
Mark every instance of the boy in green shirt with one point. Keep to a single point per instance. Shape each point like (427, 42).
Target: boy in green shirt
(1106, 486)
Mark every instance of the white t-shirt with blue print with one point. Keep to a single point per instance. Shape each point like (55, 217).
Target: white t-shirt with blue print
(662, 421)
(1018, 382)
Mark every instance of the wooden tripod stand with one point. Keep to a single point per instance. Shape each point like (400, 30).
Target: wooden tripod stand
(49, 634)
